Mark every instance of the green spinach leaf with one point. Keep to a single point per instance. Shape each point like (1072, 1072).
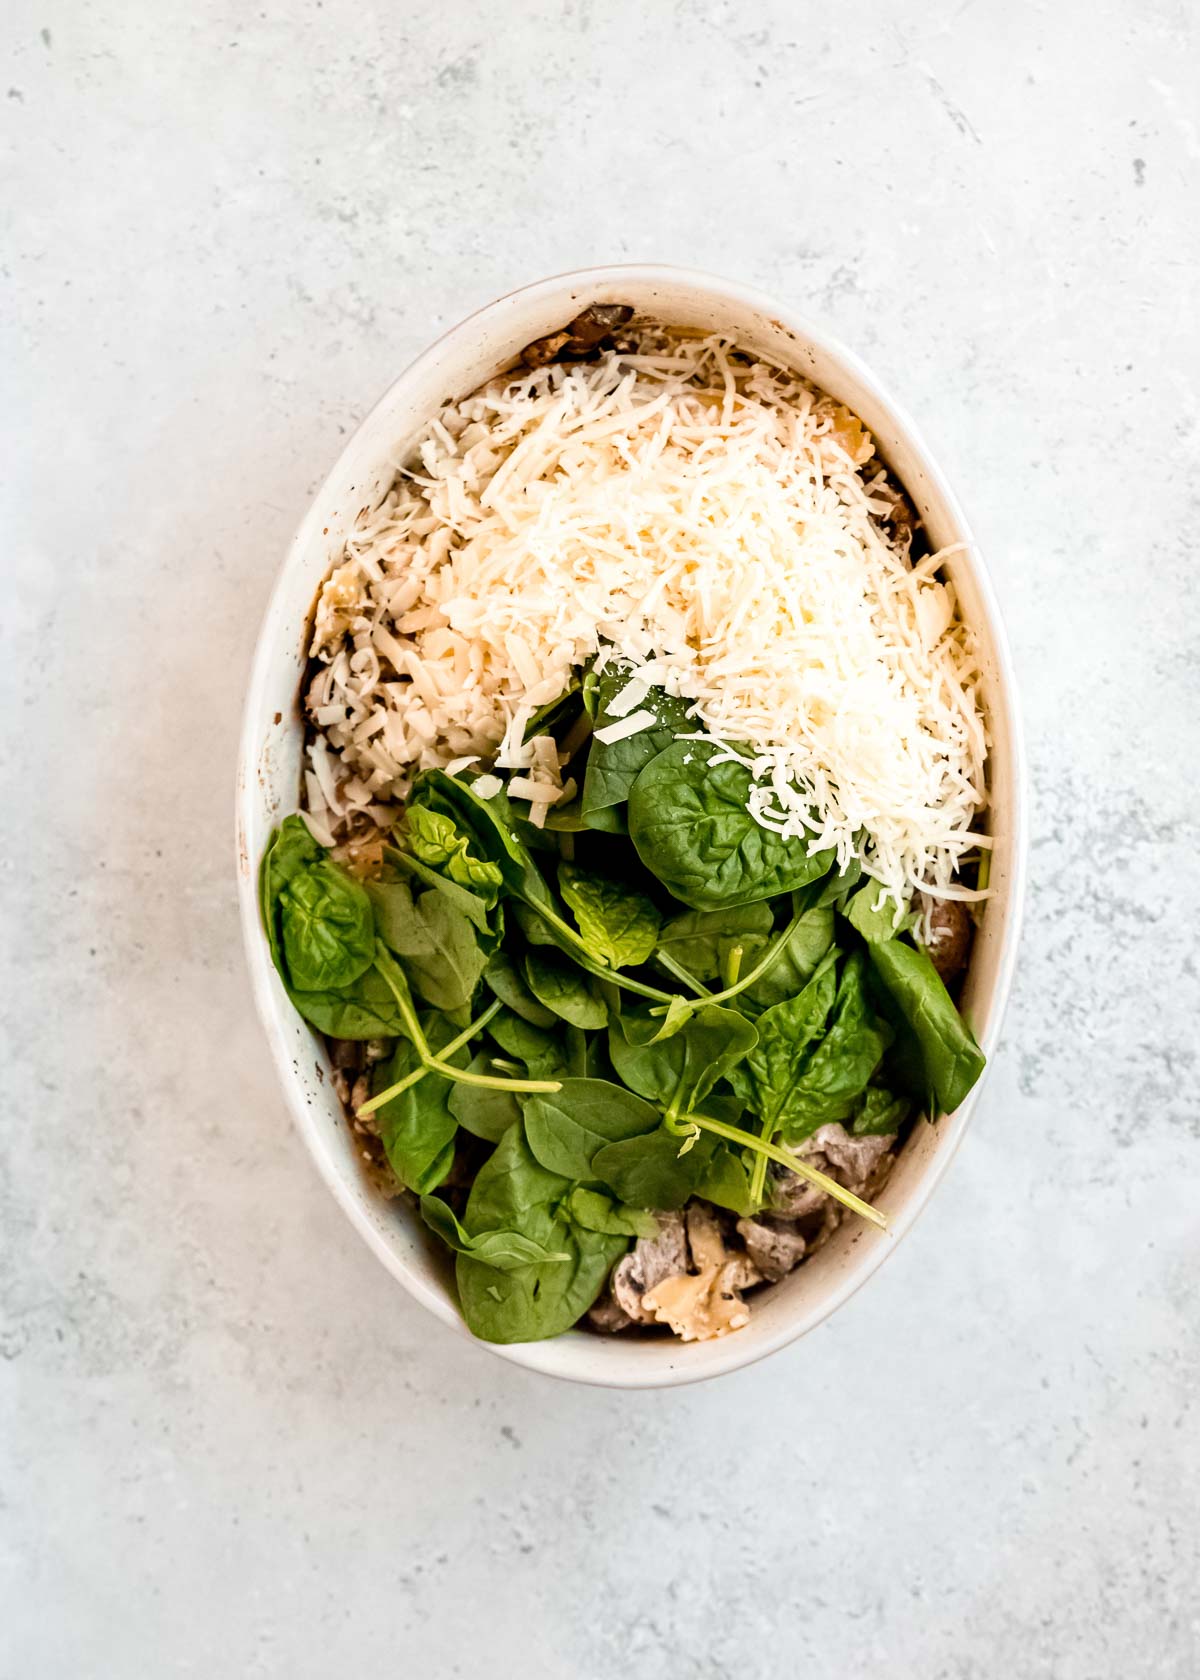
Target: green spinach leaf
(504, 978)
(842, 1063)
(677, 1073)
(484, 1111)
(726, 1180)
(689, 820)
(805, 944)
(565, 1130)
(417, 1127)
(513, 1193)
(618, 925)
(597, 1212)
(441, 953)
(505, 1251)
(559, 986)
(880, 1112)
(703, 940)
(435, 839)
(769, 1078)
(657, 1170)
(613, 767)
(543, 1053)
(952, 1059)
(875, 921)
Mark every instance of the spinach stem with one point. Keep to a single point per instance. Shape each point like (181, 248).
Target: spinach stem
(733, 965)
(396, 983)
(774, 1152)
(756, 973)
(677, 970)
(455, 1044)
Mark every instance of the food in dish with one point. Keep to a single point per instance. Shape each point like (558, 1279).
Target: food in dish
(644, 803)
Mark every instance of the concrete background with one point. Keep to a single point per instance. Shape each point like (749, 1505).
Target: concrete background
(230, 1445)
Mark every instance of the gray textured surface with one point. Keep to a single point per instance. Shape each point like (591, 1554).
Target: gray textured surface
(231, 1446)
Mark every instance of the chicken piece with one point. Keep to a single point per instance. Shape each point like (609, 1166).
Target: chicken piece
(774, 1246)
(950, 931)
(648, 1261)
(853, 1161)
(793, 1197)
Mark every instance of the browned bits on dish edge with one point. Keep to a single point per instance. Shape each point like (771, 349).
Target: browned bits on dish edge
(587, 332)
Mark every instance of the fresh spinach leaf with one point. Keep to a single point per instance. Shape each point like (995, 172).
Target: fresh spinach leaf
(565, 1130)
(543, 1053)
(612, 767)
(726, 1180)
(875, 921)
(703, 940)
(769, 1078)
(952, 1059)
(506, 981)
(490, 827)
(839, 1068)
(658, 1170)
(487, 920)
(326, 925)
(366, 1009)
(689, 820)
(482, 1110)
(559, 986)
(597, 1212)
(417, 1126)
(618, 925)
(879, 1112)
(805, 944)
(441, 953)
(435, 839)
(505, 1251)
(677, 1073)
(513, 1193)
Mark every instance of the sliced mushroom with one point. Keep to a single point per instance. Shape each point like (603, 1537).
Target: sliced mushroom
(950, 931)
(607, 1317)
(775, 1246)
(579, 337)
(649, 1260)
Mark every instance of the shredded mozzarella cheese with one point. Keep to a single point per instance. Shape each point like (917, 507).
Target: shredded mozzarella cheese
(708, 520)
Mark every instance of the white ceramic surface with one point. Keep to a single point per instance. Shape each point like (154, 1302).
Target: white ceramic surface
(268, 786)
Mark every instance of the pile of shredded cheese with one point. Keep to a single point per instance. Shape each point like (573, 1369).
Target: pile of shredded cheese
(713, 523)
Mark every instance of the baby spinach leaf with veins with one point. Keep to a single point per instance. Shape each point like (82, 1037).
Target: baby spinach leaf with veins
(689, 821)
(875, 921)
(317, 916)
(513, 1193)
(806, 943)
(490, 827)
(726, 1180)
(483, 1111)
(842, 1063)
(365, 1008)
(543, 1053)
(436, 840)
(417, 1126)
(879, 1112)
(505, 1251)
(597, 1212)
(618, 925)
(559, 986)
(768, 1078)
(703, 940)
(566, 1129)
(612, 767)
(658, 1170)
(506, 981)
(488, 921)
(952, 1059)
(677, 1073)
(327, 928)
(441, 953)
